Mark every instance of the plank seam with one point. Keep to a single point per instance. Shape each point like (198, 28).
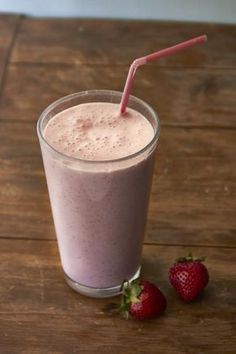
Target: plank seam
(121, 65)
(145, 243)
(9, 53)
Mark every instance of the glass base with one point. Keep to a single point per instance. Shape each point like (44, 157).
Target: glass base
(98, 292)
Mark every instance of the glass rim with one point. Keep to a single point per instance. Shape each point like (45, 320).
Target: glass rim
(86, 92)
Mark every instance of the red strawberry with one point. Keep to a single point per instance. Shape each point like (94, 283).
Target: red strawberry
(143, 300)
(189, 277)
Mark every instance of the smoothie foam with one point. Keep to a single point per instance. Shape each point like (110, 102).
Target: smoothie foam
(95, 131)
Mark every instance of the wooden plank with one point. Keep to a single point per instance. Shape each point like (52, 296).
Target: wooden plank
(7, 29)
(119, 42)
(38, 306)
(189, 97)
(193, 195)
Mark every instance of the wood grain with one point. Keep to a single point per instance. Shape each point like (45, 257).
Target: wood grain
(193, 195)
(120, 42)
(7, 29)
(38, 306)
(193, 199)
(188, 97)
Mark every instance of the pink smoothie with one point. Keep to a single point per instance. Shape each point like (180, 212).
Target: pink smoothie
(99, 209)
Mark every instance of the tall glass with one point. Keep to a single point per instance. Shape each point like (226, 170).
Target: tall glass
(99, 207)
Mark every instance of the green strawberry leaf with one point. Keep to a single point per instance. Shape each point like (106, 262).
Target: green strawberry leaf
(189, 258)
(130, 293)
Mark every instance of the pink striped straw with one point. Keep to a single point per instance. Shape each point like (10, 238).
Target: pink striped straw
(143, 60)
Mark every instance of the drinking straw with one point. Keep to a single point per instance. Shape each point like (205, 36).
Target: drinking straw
(156, 55)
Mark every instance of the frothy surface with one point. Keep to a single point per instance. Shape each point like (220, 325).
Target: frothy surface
(95, 131)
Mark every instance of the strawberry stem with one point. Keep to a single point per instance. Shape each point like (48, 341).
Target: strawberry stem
(130, 293)
(189, 258)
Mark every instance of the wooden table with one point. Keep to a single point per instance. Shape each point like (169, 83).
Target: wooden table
(193, 198)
